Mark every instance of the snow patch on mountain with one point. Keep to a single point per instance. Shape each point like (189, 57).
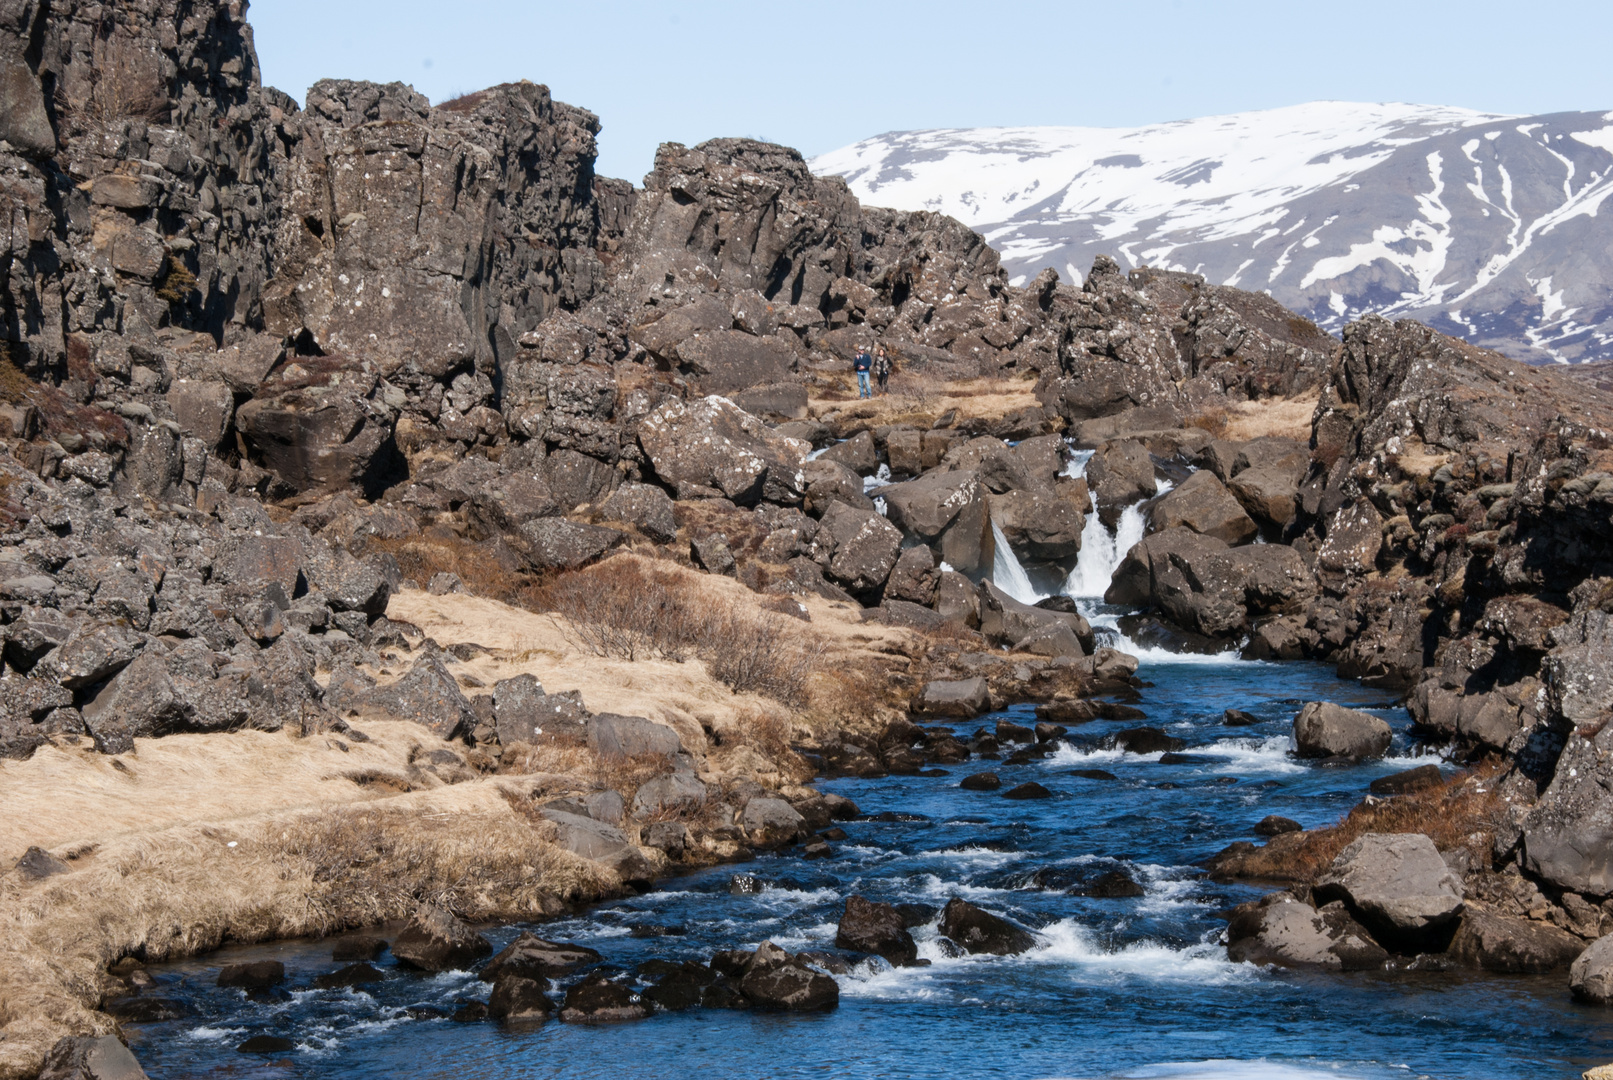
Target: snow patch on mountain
(1460, 218)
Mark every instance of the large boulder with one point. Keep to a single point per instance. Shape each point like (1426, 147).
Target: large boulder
(771, 823)
(1568, 836)
(1200, 584)
(858, 548)
(982, 932)
(1041, 524)
(964, 699)
(775, 980)
(680, 791)
(1323, 730)
(711, 446)
(1280, 929)
(320, 429)
(645, 507)
(914, 577)
(826, 482)
(617, 738)
(427, 695)
(1120, 473)
(1203, 504)
(1269, 492)
(599, 1000)
(434, 940)
(1058, 633)
(515, 999)
(1399, 887)
(876, 928)
(140, 702)
(947, 511)
(559, 544)
(1590, 978)
(604, 844)
(1494, 942)
(524, 713)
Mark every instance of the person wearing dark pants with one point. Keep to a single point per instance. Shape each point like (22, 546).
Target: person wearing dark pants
(882, 366)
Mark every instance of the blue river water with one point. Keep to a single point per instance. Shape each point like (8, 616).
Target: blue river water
(1133, 987)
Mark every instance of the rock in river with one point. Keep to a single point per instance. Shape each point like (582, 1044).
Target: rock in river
(875, 928)
(1323, 729)
(435, 940)
(1399, 887)
(982, 932)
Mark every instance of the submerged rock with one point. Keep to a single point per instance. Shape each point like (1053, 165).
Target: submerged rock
(597, 1000)
(531, 957)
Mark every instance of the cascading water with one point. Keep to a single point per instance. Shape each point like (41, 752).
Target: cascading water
(1008, 574)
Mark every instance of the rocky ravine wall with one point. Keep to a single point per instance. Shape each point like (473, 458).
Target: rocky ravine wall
(397, 320)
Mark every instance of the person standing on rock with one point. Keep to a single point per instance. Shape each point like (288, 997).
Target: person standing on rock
(882, 366)
(861, 365)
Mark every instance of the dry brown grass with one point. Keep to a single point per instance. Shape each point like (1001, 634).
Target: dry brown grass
(1214, 421)
(179, 891)
(917, 399)
(1284, 418)
(423, 557)
(631, 608)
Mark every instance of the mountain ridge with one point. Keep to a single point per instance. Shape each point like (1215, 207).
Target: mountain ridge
(1483, 225)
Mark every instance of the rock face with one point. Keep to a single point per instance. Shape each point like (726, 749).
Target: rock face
(875, 928)
(982, 932)
(962, 698)
(1568, 837)
(1322, 729)
(434, 940)
(1397, 885)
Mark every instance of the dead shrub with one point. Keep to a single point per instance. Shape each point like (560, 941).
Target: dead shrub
(629, 610)
(1461, 813)
(1215, 421)
(423, 557)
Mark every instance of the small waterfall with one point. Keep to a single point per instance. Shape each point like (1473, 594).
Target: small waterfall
(1101, 552)
(1007, 573)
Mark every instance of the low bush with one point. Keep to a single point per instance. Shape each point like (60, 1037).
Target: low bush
(631, 609)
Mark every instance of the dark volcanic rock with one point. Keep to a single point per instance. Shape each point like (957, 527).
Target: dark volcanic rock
(1028, 790)
(1499, 943)
(1421, 778)
(352, 975)
(359, 948)
(1144, 740)
(985, 781)
(532, 957)
(515, 998)
(875, 928)
(775, 980)
(982, 932)
(252, 976)
(434, 940)
(597, 1000)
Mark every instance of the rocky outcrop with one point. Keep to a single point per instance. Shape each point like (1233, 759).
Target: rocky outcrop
(1591, 976)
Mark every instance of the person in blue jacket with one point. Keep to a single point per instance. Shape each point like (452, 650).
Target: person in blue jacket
(862, 365)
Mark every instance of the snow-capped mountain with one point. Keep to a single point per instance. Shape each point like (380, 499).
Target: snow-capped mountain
(1488, 227)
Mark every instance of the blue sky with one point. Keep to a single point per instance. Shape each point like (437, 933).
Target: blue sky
(821, 74)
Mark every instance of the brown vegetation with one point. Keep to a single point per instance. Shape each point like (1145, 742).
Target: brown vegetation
(630, 608)
(1461, 813)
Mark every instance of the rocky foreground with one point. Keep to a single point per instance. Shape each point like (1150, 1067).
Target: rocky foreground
(307, 412)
